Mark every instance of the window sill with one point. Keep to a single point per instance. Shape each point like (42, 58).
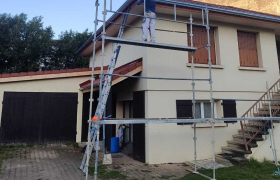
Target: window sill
(251, 69)
(205, 125)
(206, 66)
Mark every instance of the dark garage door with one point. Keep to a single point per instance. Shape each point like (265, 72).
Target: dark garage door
(39, 117)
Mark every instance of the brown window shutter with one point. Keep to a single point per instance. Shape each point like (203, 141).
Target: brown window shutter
(278, 52)
(200, 40)
(248, 53)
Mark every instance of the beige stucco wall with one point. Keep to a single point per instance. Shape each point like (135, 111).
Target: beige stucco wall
(173, 143)
(127, 53)
(170, 142)
(264, 151)
(168, 63)
(70, 85)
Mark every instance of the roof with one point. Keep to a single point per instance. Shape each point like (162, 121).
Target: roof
(196, 5)
(39, 75)
(130, 68)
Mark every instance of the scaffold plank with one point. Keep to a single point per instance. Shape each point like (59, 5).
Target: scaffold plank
(149, 44)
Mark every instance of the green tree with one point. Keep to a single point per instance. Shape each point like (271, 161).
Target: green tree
(66, 46)
(24, 45)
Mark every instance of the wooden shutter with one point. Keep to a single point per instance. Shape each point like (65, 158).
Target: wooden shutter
(247, 44)
(229, 107)
(278, 52)
(184, 110)
(200, 40)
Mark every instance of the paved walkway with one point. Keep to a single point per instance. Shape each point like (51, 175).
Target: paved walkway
(58, 162)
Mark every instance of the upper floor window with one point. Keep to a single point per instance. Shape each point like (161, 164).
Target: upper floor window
(200, 40)
(248, 54)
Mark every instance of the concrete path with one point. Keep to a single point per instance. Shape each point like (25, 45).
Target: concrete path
(59, 162)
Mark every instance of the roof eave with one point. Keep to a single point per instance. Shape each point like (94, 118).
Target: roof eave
(190, 5)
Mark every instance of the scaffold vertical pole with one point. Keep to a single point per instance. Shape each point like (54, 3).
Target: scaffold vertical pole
(100, 89)
(272, 138)
(193, 92)
(91, 88)
(211, 91)
(145, 8)
(175, 12)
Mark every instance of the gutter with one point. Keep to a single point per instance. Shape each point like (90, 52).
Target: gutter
(190, 5)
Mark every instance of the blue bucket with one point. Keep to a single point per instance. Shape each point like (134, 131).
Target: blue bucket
(115, 144)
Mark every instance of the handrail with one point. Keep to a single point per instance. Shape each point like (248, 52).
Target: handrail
(256, 109)
(260, 98)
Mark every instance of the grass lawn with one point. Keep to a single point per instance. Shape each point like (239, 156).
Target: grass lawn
(104, 173)
(252, 170)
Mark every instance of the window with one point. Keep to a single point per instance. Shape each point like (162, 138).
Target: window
(202, 109)
(200, 40)
(247, 44)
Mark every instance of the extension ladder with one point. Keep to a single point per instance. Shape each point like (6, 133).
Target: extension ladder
(102, 100)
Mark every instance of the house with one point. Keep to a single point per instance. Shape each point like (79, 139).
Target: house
(244, 56)
(53, 105)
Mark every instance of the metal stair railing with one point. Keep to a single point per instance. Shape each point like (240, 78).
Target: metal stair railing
(251, 129)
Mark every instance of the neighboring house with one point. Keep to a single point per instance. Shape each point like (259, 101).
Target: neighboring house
(244, 53)
(53, 105)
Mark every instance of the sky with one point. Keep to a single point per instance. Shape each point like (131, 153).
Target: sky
(62, 15)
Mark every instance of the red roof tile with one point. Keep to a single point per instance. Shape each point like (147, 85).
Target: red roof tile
(49, 72)
(14, 74)
(124, 69)
(39, 73)
(5, 75)
(23, 74)
(31, 73)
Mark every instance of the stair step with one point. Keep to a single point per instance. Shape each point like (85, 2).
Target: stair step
(252, 130)
(233, 154)
(255, 123)
(230, 157)
(241, 143)
(236, 150)
(262, 114)
(239, 136)
(276, 96)
(266, 108)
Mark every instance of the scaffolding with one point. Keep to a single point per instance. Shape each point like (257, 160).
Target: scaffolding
(104, 89)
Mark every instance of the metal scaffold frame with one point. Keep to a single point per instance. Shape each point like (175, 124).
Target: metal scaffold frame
(104, 89)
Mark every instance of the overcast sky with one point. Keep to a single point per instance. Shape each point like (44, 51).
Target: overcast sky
(60, 14)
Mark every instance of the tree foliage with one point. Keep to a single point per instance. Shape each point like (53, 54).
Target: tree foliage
(29, 46)
(65, 56)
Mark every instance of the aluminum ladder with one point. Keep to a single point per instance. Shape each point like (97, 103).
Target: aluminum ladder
(102, 100)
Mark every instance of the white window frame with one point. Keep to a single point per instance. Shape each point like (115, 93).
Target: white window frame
(202, 108)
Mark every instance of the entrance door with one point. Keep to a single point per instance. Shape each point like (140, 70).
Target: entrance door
(36, 117)
(110, 130)
(139, 129)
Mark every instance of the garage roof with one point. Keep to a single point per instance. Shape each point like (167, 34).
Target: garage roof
(54, 74)
(130, 69)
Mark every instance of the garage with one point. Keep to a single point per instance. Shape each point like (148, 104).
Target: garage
(39, 117)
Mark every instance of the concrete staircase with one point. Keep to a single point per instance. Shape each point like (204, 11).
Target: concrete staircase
(236, 149)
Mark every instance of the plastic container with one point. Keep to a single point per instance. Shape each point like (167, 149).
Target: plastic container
(115, 145)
